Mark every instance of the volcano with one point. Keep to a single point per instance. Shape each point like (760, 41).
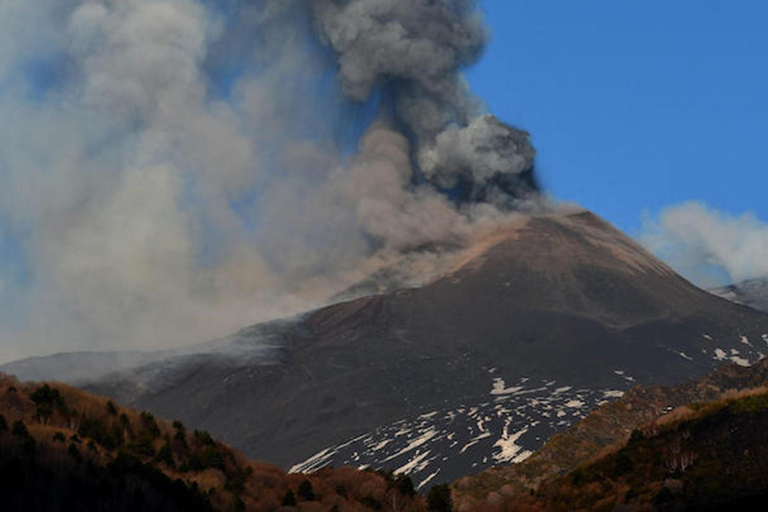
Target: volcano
(532, 327)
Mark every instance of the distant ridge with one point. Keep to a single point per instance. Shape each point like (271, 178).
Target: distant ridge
(753, 293)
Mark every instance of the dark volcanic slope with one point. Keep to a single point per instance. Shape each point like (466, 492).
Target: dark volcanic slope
(417, 379)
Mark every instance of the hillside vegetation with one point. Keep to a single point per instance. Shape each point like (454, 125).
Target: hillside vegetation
(64, 449)
(701, 445)
(714, 457)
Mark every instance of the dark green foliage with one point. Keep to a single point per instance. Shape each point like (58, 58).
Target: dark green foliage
(94, 428)
(404, 485)
(149, 425)
(213, 458)
(182, 439)
(59, 437)
(577, 478)
(750, 404)
(305, 491)
(46, 399)
(73, 452)
(714, 459)
(204, 437)
(25, 440)
(45, 394)
(341, 491)
(208, 457)
(664, 497)
(142, 446)
(236, 480)
(19, 429)
(179, 426)
(439, 498)
(636, 436)
(165, 455)
(370, 502)
(111, 409)
(623, 464)
(236, 505)
(3, 424)
(125, 422)
(193, 463)
(289, 499)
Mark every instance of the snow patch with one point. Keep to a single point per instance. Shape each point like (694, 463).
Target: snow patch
(720, 354)
(740, 361)
(381, 445)
(500, 389)
(415, 465)
(509, 450)
(475, 440)
(312, 463)
(613, 393)
(415, 443)
(575, 404)
(427, 480)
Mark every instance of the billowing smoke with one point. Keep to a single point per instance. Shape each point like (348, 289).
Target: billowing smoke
(413, 50)
(172, 170)
(709, 246)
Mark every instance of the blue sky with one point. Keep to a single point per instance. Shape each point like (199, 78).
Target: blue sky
(635, 106)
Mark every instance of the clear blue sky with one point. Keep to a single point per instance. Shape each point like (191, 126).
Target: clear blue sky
(636, 105)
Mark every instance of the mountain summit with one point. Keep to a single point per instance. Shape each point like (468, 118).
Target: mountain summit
(532, 327)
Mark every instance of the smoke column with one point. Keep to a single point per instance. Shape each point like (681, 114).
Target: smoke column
(414, 50)
(173, 170)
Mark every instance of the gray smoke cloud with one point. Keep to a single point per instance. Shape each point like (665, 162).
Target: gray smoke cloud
(708, 246)
(173, 170)
(415, 49)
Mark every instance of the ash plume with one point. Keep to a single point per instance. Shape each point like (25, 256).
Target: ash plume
(173, 170)
(414, 50)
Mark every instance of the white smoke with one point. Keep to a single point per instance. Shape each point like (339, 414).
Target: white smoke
(155, 200)
(702, 243)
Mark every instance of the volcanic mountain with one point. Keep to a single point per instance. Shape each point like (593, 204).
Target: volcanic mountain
(532, 327)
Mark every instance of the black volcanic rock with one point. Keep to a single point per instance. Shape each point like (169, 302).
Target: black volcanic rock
(533, 327)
